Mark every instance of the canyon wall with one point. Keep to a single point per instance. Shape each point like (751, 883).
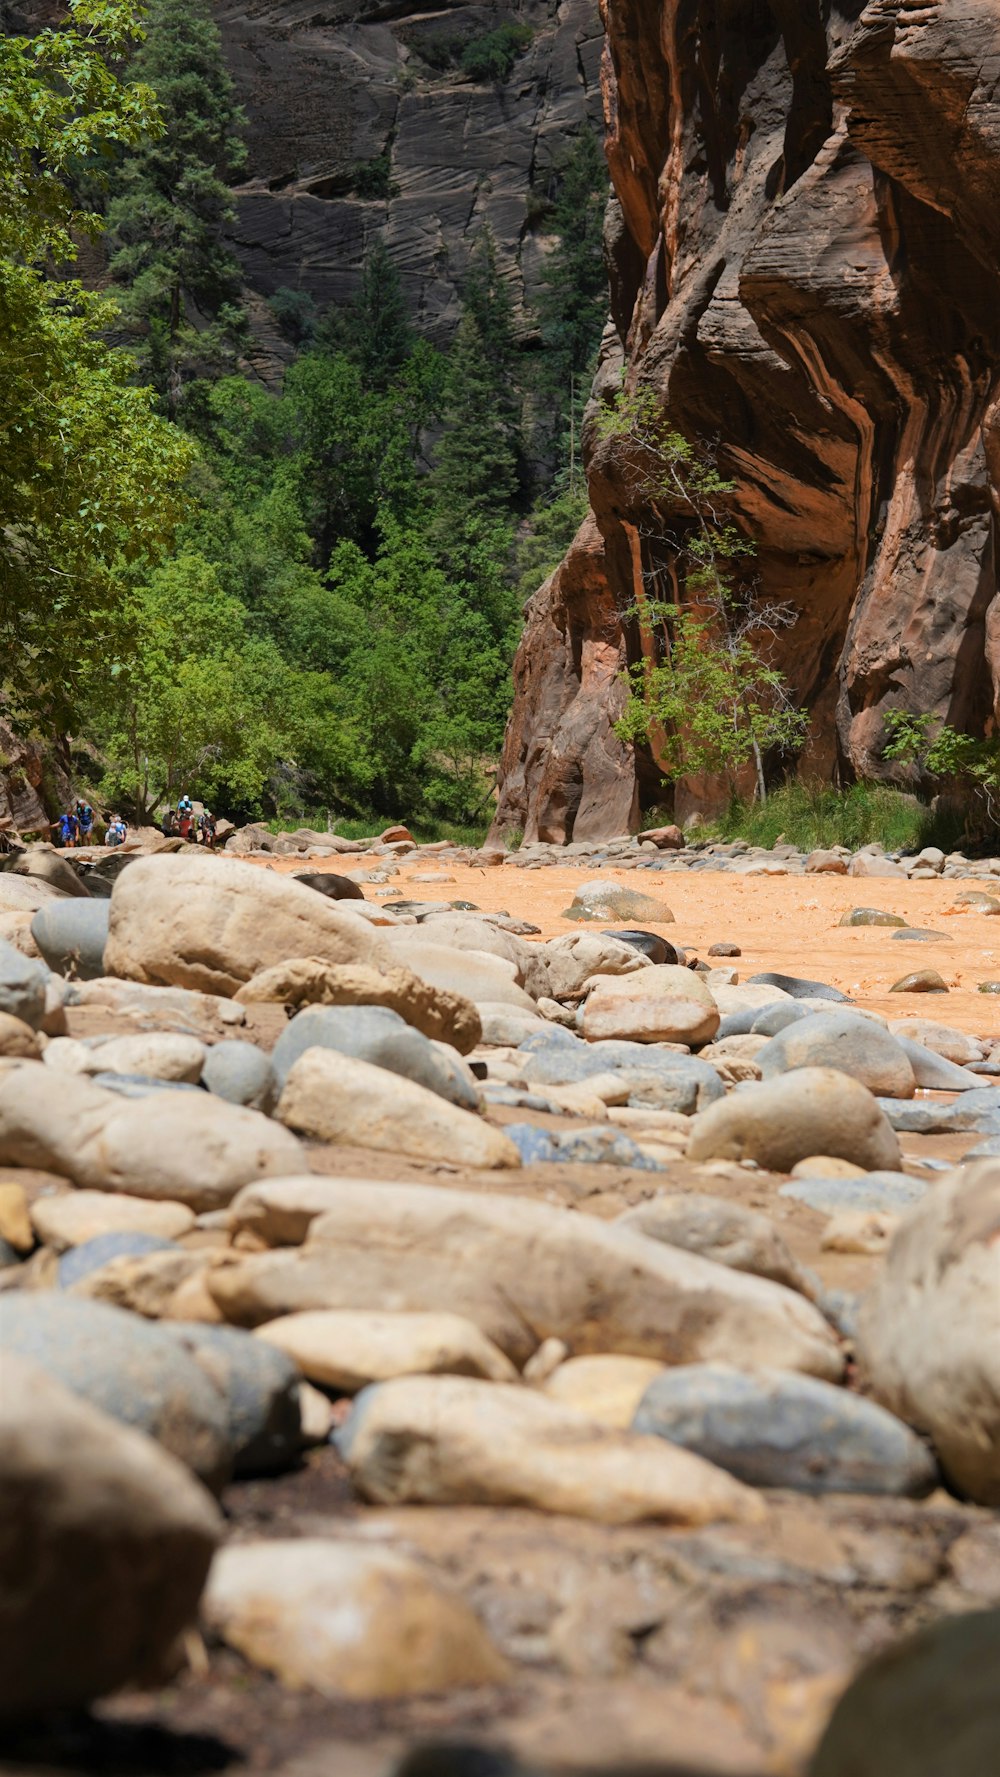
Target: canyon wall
(805, 272)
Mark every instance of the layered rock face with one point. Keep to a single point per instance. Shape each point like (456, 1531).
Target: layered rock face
(327, 94)
(803, 263)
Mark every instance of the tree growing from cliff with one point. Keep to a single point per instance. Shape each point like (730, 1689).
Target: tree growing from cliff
(171, 205)
(573, 302)
(706, 691)
(970, 762)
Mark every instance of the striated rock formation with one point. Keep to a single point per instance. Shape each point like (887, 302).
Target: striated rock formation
(804, 269)
(328, 94)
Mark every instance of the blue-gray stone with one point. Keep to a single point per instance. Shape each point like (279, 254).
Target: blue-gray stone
(534, 1144)
(893, 1192)
(742, 1022)
(597, 1146)
(71, 936)
(8, 1255)
(920, 935)
(779, 1016)
(984, 1150)
(554, 1037)
(799, 989)
(240, 1073)
(22, 985)
(977, 1111)
(773, 1428)
(376, 1035)
(840, 1039)
(934, 1072)
(684, 1083)
(842, 1309)
(136, 1370)
(92, 1255)
(648, 944)
(140, 1085)
(260, 1388)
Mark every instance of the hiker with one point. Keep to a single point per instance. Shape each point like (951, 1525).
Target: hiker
(84, 820)
(168, 825)
(116, 831)
(185, 817)
(68, 829)
(206, 828)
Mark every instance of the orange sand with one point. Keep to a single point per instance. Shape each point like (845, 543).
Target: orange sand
(783, 923)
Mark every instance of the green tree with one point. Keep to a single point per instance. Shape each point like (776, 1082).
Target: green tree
(90, 479)
(382, 335)
(171, 204)
(573, 302)
(970, 762)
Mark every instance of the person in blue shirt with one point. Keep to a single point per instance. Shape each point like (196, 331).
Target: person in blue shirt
(68, 827)
(84, 820)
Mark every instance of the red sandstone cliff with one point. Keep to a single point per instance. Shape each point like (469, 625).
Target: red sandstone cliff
(804, 250)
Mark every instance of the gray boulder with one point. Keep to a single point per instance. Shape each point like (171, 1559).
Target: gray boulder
(934, 1072)
(71, 936)
(778, 1017)
(557, 1058)
(22, 986)
(719, 1230)
(376, 1035)
(796, 987)
(92, 1255)
(240, 1073)
(105, 1547)
(812, 1110)
(893, 1192)
(773, 1428)
(260, 1388)
(852, 1045)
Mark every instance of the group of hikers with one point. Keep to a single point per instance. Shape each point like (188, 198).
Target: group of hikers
(75, 825)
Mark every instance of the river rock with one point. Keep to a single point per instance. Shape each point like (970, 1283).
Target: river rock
(346, 1620)
(15, 1218)
(374, 1035)
(570, 962)
(813, 1110)
(309, 980)
(476, 975)
(606, 1388)
(797, 988)
(158, 1055)
(820, 862)
(71, 936)
(776, 1018)
(120, 1539)
(522, 1271)
(920, 935)
(676, 1082)
(42, 863)
(446, 1440)
(328, 883)
(346, 1351)
(132, 1369)
(91, 1255)
(200, 1156)
(22, 985)
(952, 1045)
(241, 1074)
(977, 1109)
(75, 1217)
(870, 916)
(651, 945)
(929, 1332)
(656, 1005)
(259, 1387)
(203, 1015)
(211, 923)
(726, 1232)
(923, 1707)
(853, 1046)
(934, 1073)
(604, 899)
(772, 1429)
(18, 1038)
(333, 1097)
(920, 981)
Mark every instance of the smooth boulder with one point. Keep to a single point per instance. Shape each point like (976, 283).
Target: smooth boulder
(211, 923)
(332, 1097)
(75, 1217)
(523, 1272)
(376, 1035)
(813, 1110)
(155, 1055)
(726, 1232)
(105, 1544)
(446, 1440)
(656, 1005)
(22, 986)
(929, 1330)
(773, 1429)
(72, 935)
(241, 1074)
(199, 1154)
(311, 981)
(605, 899)
(346, 1351)
(854, 1046)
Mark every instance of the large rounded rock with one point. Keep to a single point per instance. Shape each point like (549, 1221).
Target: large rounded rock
(348, 1620)
(328, 883)
(852, 1045)
(75, 1217)
(152, 1055)
(570, 962)
(332, 1097)
(656, 1005)
(211, 923)
(22, 985)
(813, 1110)
(941, 1039)
(199, 1152)
(773, 1429)
(606, 1387)
(92, 1255)
(71, 936)
(720, 1230)
(132, 1369)
(376, 1035)
(346, 1351)
(476, 975)
(241, 1074)
(926, 1707)
(105, 1543)
(605, 899)
(259, 1386)
(929, 1332)
(43, 864)
(309, 981)
(445, 1440)
(522, 1271)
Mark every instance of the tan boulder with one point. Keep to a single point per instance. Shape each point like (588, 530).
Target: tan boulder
(347, 1350)
(719, 1229)
(334, 1098)
(666, 1004)
(42, 863)
(524, 1272)
(478, 975)
(573, 960)
(106, 1543)
(25, 894)
(15, 928)
(864, 1231)
(68, 1220)
(311, 981)
(18, 1038)
(157, 1054)
(606, 1387)
(813, 1110)
(445, 1440)
(929, 1329)
(212, 923)
(191, 1148)
(204, 1015)
(145, 1283)
(941, 1039)
(15, 1220)
(346, 1620)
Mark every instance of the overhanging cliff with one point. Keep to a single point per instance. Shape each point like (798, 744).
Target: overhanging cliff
(805, 272)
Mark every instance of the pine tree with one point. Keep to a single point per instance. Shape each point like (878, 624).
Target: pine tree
(381, 333)
(171, 203)
(573, 300)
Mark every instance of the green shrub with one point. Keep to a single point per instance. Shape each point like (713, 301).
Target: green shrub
(492, 56)
(817, 815)
(373, 179)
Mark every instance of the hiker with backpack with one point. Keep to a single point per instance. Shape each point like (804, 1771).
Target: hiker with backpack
(84, 820)
(68, 827)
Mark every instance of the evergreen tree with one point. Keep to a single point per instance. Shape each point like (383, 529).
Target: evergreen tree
(382, 337)
(171, 203)
(573, 301)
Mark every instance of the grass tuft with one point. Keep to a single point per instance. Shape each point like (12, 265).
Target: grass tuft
(814, 816)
